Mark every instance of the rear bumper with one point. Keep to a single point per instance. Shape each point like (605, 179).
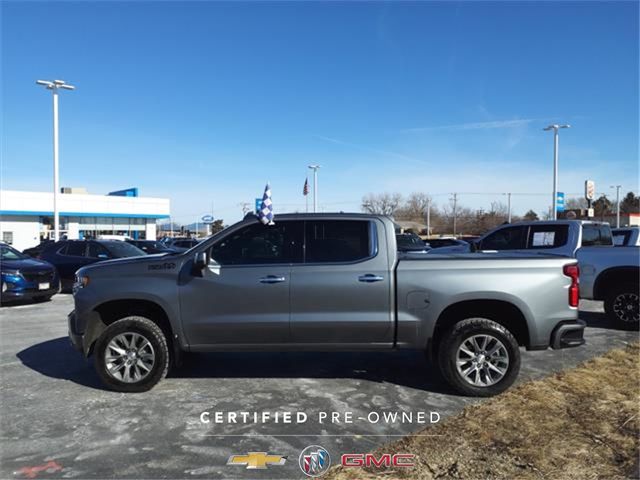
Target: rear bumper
(568, 334)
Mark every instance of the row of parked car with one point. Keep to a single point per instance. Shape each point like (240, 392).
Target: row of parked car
(40, 272)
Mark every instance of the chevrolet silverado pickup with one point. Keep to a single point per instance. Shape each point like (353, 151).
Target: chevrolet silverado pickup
(323, 282)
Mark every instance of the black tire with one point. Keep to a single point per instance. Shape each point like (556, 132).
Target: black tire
(131, 326)
(621, 304)
(464, 330)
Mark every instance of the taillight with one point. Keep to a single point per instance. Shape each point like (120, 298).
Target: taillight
(573, 272)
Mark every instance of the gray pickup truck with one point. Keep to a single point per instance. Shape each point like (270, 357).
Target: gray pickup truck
(323, 282)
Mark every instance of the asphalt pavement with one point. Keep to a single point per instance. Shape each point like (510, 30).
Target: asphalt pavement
(57, 421)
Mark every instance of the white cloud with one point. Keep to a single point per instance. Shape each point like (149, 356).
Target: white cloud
(494, 124)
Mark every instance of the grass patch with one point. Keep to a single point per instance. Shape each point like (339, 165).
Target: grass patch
(582, 423)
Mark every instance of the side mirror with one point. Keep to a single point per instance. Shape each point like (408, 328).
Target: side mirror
(199, 264)
(474, 247)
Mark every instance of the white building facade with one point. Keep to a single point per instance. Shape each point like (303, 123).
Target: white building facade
(26, 218)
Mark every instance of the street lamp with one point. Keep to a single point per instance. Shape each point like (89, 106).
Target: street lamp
(555, 129)
(54, 86)
(617, 187)
(315, 186)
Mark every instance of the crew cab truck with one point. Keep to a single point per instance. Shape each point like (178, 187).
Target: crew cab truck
(323, 282)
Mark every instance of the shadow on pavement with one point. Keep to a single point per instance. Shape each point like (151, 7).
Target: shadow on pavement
(57, 359)
(600, 320)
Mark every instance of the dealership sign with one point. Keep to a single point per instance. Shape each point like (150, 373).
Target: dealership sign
(379, 461)
(207, 219)
(589, 190)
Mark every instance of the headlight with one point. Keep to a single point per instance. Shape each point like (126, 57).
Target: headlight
(11, 276)
(81, 281)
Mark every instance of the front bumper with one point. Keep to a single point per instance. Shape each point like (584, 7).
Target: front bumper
(25, 293)
(568, 334)
(75, 338)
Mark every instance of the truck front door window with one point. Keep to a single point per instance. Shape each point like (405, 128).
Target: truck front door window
(261, 244)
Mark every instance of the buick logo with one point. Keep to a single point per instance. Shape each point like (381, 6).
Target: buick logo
(314, 461)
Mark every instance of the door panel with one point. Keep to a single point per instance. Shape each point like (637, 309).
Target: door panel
(341, 302)
(243, 297)
(237, 305)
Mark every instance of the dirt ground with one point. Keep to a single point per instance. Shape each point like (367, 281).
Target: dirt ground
(582, 424)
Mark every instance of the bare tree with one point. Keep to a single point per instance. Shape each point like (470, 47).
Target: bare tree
(381, 203)
(415, 207)
(575, 203)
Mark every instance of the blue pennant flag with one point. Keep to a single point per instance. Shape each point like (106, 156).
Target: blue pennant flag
(265, 214)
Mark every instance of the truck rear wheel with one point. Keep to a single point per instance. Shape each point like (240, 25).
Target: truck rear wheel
(479, 357)
(132, 355)
(621, 304)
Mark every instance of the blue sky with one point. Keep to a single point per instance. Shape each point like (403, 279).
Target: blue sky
(204, 102)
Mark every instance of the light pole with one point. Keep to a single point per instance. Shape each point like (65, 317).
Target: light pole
(315, 186)
(508, 206)
(617, 187)
(54, 86)
(555, 128)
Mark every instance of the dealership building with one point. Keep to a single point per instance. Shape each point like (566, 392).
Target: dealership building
(26, 218)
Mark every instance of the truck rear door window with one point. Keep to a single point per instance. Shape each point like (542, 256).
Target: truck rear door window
(547, 236)
(594, 235)
(330, 241)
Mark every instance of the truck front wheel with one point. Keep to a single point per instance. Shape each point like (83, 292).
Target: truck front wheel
(621, 304)
(479, 357)
(132, 355)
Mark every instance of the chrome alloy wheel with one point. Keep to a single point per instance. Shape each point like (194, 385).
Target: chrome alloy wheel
(626, 308)
(129, 357)
(482, 360)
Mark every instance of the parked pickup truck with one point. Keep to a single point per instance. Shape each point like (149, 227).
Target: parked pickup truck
(612, 275)
(323, 282)
(559, 237)
(626, 236)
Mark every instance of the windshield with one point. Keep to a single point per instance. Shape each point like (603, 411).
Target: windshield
(122, 249)
(9, 253)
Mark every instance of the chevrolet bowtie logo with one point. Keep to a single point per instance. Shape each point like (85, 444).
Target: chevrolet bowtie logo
(257, 460)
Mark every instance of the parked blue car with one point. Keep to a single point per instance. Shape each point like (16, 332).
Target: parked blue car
(26, 278)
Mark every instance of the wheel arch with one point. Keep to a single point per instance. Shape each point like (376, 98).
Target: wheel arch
(613, 276)
(500, 311)
(113, 310)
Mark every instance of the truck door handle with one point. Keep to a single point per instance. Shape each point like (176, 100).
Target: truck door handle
(272, 279)
(370, 278)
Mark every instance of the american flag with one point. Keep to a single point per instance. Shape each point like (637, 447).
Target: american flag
(265, 214)
(305, 189)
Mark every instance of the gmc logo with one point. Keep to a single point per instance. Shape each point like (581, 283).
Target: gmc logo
(370, 460)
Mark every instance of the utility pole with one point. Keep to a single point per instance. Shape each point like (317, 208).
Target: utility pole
(54, 86)
(555, 128)
(315, 186)
(509, 207)
(617, 187)
(455, 212)
(429, 216)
